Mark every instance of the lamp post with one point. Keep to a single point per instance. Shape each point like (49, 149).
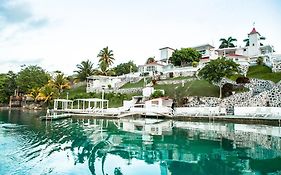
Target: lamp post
(67, 95)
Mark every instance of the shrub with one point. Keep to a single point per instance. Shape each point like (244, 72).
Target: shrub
(259, 61)
(194, 64)
(157, 94)
(242, 80)
(227, 89)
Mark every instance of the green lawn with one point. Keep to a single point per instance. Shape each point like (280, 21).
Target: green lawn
(192, 88)
(263, 72)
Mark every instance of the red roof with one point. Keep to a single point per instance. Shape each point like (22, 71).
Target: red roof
(235, 55)
(152, 63)
(204, 58)
(253, 31)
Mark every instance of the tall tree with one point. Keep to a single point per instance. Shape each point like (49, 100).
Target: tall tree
(104, 70)
(125, 68)
(32, 77)
(85, 69)
(47, 93)
(216, 69)
(106, 56)
(185, 56)
(60, 82)
(226, 43)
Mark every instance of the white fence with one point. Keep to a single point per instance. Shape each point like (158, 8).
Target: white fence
(255, 111)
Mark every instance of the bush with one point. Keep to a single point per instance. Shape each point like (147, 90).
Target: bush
(242, 80)
(227, 89)
(259, 61)
(157, 94)
(194, 64)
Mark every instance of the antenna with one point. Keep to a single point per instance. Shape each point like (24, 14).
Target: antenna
(254, 24)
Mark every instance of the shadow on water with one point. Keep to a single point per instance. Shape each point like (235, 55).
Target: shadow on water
(142, 146)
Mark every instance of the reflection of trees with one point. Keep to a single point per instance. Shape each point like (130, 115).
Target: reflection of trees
(198, 151)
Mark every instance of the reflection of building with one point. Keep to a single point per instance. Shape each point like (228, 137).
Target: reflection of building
(147, 126)
(200, 148)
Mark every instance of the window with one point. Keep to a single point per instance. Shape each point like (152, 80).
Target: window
(150, 68)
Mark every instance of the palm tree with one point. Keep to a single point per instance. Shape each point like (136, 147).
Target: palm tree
(226, 43)
(60, 82)
(34, 93)
(106, 56)
(150, 60)
(85, 69)
(47, 93)
(104, 70)
(247, 42)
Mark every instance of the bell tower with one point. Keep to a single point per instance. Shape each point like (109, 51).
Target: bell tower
(254, 43)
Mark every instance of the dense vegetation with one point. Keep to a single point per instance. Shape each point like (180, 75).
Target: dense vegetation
(185, 56)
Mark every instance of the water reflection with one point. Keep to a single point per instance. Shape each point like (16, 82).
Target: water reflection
(134, 146)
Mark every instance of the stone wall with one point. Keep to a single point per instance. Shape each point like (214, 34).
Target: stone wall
(262, 93)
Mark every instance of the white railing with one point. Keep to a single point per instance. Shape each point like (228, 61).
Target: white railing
(257, 111)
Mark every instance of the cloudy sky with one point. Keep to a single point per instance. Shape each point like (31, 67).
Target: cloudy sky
(58, 34)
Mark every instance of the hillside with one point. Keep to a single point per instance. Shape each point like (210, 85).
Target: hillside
(263, 72)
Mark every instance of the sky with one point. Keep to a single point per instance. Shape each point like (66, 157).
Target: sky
(59, 34)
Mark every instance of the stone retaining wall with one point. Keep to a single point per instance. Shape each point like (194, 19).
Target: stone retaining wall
(262, 93)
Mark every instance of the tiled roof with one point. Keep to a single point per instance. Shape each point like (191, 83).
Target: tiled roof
(253, 31)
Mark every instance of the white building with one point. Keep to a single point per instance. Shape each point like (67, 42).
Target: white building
(103, 82)
(165, 54)
(151, 69)
(254, 49)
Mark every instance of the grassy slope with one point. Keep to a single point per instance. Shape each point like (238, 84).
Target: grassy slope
(192, 88)
(263, 72)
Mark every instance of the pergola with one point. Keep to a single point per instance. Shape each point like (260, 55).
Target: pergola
(65, 104)
(91, 103)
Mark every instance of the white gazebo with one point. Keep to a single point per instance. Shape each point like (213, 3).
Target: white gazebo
(65, 104)
(91, 104)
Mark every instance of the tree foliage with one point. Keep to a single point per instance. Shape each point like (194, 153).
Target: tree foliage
(104, 70)
(150, 60)
(32, 77)
(125, 68)
(106, 56)
(226, 43)
(85, 69)
(215, 70)
(157, 94)
(47, 93)
(185, 56)
(60, 82)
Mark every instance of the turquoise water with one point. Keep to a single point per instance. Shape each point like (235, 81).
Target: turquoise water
(134, 147)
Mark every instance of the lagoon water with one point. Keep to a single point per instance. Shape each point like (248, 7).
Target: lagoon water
(134, 147)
